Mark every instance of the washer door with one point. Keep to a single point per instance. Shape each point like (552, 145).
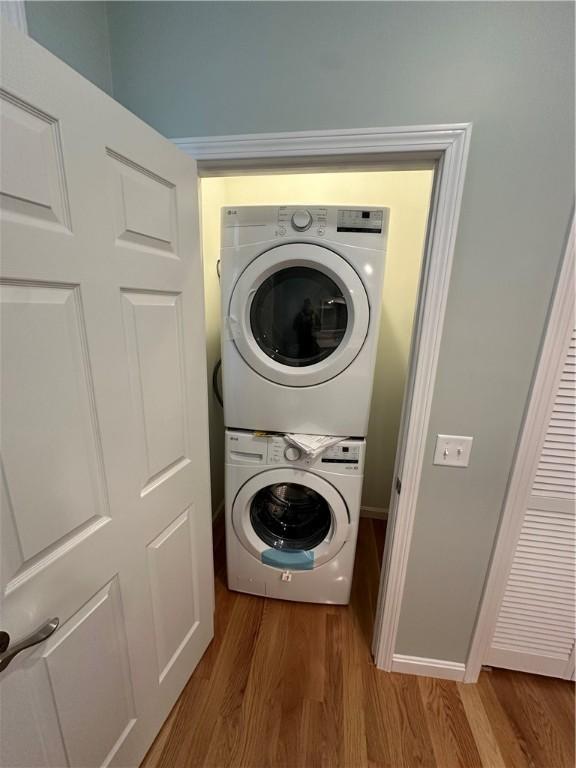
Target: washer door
(292, 519)
(299, 314)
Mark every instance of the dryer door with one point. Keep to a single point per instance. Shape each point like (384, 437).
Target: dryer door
(299, 314)
(289, 518)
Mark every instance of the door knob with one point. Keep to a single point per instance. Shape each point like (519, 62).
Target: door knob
(7, 652)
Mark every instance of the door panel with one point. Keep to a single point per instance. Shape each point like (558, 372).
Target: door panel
(172, 571)
(153, 326)
(144, 206)
(48, 385)
(33, 740)
(80, 696)
(40, 192)
(105, 518)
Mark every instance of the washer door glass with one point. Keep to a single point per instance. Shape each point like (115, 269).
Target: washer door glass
(290, 516)
(298, 316)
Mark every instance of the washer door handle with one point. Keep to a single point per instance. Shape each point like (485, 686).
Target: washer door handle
(7, 652)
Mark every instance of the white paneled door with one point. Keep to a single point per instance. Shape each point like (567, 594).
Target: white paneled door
(105, 477)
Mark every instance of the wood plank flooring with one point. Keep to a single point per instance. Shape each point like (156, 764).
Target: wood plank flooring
(291, 685)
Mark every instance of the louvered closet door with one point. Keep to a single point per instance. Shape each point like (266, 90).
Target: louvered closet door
(535, 627)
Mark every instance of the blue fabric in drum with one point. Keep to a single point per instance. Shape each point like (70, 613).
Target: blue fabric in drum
(295, 560)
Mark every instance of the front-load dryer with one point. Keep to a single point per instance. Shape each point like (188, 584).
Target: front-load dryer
(291, 522)
(301, 293)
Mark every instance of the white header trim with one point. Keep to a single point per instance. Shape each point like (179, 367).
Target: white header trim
(308, 143)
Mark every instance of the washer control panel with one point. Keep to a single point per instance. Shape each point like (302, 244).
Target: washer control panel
(292, 453)
(341, 453)
(279, 451)
(243, 447)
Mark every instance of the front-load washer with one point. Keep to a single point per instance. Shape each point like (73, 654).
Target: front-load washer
(301, 293)
(291, 521)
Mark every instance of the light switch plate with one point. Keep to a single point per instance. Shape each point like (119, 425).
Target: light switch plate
(453, 450)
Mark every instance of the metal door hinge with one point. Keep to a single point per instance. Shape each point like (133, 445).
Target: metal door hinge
(398, 485)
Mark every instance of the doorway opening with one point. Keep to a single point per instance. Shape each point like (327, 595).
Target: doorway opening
(407, 191)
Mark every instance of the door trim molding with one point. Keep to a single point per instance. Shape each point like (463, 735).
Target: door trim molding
(448, 146)
(429, 140)
(418, 665)
(560, 316)
(15, 13)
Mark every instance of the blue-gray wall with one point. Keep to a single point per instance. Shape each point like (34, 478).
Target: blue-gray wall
(76, 32)
(217, 68)
(194, 69)
(212, 68)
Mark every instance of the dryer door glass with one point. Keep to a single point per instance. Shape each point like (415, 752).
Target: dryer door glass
(298, 316)
(290, 516)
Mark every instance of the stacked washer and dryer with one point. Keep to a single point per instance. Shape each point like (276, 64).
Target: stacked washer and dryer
(301, 295)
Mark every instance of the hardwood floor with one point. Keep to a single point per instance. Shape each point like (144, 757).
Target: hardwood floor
(293, 685)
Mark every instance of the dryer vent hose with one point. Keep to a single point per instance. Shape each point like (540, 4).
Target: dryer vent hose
(215, 388)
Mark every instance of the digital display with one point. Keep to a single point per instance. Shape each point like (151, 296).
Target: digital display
(367, 221)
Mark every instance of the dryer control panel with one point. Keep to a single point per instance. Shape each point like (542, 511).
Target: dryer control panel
(366, 220)
(243, 448)
(362, 227)
(302, 220)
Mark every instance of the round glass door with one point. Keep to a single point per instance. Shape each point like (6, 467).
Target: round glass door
(290, 516)
(298, 316)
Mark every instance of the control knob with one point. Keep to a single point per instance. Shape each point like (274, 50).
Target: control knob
(301, 220)
(291, 453)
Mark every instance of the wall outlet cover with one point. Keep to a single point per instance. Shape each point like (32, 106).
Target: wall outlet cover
(453, 450)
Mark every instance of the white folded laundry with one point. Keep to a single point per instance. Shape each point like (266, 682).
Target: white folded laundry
(313, 445)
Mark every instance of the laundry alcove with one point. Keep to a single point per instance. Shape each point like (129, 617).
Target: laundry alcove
(407, 193)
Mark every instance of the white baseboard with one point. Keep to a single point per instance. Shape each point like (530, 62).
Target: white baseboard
(377, 513)
(218, 511)
(418, 665)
